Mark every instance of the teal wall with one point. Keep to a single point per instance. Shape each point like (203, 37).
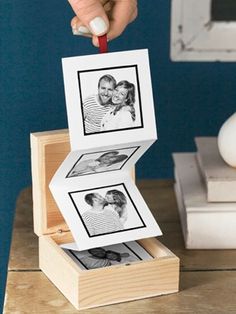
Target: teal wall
(191, 98)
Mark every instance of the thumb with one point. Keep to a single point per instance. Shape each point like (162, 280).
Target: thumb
(92, 15)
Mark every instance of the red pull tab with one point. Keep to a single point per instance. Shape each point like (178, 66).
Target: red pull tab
(102, 40)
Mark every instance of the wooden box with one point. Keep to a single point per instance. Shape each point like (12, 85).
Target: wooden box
(97, 287)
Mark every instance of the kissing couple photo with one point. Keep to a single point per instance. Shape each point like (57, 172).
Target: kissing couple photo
(106, 214)
(111, 160)
(112, 107)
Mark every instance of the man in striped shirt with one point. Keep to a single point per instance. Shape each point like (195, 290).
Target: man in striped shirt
(100, 219)
(96, 106)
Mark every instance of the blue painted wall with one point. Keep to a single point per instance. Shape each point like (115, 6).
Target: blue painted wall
(191, 98)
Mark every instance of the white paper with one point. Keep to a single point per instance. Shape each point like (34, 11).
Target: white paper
(93, 187)
(81, 76)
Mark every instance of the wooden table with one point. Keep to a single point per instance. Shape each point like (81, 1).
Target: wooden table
(207, 277)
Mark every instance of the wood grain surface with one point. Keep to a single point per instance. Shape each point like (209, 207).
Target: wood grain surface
(200, 293)
(207, 279)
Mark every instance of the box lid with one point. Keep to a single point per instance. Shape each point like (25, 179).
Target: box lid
(48, 150)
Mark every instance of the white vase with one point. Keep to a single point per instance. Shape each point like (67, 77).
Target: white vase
(227, 141)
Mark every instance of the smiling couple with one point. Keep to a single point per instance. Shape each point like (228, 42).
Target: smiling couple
(112, 108)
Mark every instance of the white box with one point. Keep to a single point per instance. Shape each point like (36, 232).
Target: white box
(219, 177)
(205, 225)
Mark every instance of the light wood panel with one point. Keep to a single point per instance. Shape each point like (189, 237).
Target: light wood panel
(48, 150)
(24, 250)
(200, 293)
(114, 284)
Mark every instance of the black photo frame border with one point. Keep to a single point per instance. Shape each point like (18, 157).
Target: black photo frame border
(139, 97)
(86, 174)
(104, 187)
(86, 268)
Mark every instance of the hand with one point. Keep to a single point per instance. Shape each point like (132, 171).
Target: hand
(98, 17)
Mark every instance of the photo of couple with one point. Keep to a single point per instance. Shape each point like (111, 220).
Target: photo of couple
(114, 106)
(101, 161)
(106, 214)
(106, 210)
(106, 256)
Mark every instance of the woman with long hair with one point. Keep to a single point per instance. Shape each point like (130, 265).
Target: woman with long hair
(117, 200)
(122, 113)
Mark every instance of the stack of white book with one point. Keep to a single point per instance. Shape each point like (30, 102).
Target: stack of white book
(205, 190)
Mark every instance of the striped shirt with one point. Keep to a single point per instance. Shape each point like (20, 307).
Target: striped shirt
(100, 222)
(93, 113)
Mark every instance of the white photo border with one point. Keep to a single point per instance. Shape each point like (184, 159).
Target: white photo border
(71, 66)
(60, 193)
(99, 188)
(135, 66)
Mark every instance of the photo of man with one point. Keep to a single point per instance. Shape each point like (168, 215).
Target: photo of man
(106, 256)
(108, 161)
(106, 210)
(100, 218)
(96, 106)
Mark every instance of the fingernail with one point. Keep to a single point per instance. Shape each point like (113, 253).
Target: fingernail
(84, 30)
(81, 30)
(75, 31)
(98, 26)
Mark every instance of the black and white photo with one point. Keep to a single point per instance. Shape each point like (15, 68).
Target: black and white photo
(122, 253)
(106, 210)
(103, 161)
(110, 99)
(111, 122)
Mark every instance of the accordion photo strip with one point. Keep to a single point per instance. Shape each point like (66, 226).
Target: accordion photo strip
(111, 124)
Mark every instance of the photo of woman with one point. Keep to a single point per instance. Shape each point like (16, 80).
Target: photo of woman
(99, 257)
(118, 202)
(106, 210)
(122, 112)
